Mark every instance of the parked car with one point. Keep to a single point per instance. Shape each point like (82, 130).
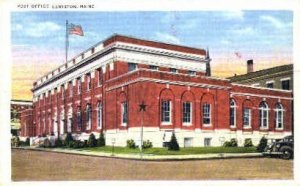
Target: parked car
(283, 148)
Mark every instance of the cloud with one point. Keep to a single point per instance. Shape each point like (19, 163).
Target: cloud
(244, 31)
(274, 21)
(237, 15)
(41, 29)
(166, 38)
(17, 27)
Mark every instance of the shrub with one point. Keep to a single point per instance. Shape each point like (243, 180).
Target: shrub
(68, 139)
(92, 142)
(262, 144)
(173, 145)
(17, 141)
(231, 143)
(248, 142)
(27, 141)
(46, 143)
(147, 144)
(101, 140)
(131, 144)
(77, 144)
(58, 142)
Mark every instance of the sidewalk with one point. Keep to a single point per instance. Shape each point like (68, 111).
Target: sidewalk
(137, 156)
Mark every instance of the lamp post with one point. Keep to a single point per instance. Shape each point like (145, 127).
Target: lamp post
(113, 140)
(142, 109)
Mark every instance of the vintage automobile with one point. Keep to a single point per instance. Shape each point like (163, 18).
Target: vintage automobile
(283, 148)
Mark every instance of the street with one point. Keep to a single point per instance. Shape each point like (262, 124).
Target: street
(48, 166)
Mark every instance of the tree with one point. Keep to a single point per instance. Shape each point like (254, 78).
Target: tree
(92, 142)
(101, 140)
(173, 145)
(262, 144)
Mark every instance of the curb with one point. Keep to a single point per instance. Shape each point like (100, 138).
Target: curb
(147, 157)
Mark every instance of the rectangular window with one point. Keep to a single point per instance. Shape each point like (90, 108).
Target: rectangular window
(188, 142)
(166, 111)
(89, 82)
(279, 119)
(124, 113)
(70, 89)
(206, 114)
(173, 70)
(79, 119)
(285, 84)
(232, 116)
(207, 142)
(79, 85)
(247, 117)
(99, 116)
(132, 67)
(152, 67)
(187, 108)
(192, 73)
(270, 85)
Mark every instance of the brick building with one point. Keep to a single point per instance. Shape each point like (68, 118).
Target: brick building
(101, 90)
(16, 108)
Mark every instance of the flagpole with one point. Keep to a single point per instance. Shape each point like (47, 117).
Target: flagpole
(67, 41)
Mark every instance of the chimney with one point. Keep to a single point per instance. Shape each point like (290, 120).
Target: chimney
(249, 66)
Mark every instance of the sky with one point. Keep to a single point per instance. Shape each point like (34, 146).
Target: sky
(38, 38)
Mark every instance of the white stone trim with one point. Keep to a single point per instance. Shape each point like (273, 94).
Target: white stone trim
(284, 79)
(259, 95)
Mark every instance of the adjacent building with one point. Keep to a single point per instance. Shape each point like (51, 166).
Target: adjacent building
(101, 90)
(279, 77)
(16, 107)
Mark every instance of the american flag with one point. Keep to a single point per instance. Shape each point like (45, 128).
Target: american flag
(75, 29)
(238, 55)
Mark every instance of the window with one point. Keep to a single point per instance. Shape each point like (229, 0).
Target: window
(166, 111)
(247, 118)
(88, 116)
(173, 70)
(279, 116)
(79, 85)
(89, 82)
(79, 119)
(206, 114)
(99, 115)
(285, 84)
(152, 67)
(186, 112)
(207, 142)
(270, 85)
(232, 113)
(93, 50)
(264, 115)
(192, 73)
(82, 56)
(124, 107)
(188, 142)
(63, 93)
(100, 77)
(70, 89)
(132, 66)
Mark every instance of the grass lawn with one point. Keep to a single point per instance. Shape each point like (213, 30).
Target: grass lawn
(182, 151)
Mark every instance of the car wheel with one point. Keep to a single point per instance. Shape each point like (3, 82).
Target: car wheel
(287, 152)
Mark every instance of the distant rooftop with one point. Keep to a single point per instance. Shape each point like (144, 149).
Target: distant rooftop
(258, 73)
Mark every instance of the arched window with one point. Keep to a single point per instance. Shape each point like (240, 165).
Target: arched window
(232, 113)
(99, 115)
(264, 115)
(88, 117)
(279, 116)
(79, 119)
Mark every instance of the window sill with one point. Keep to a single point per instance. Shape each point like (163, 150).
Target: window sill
(279, 129)
(233, 127)
(263, 128)
(164, 123)
(247, 127)
(124, 125)
(187, 124)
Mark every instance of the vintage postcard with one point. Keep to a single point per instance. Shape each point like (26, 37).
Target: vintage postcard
(133, 91)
